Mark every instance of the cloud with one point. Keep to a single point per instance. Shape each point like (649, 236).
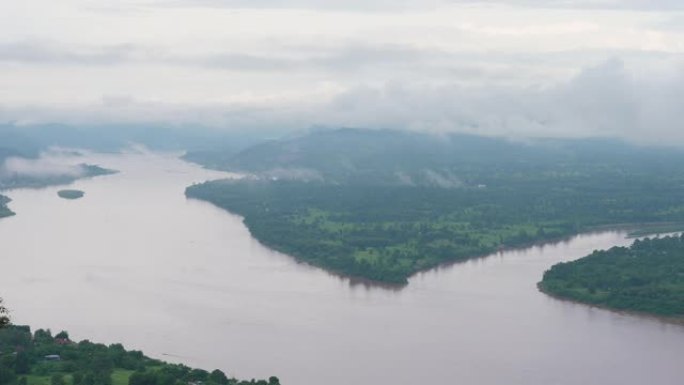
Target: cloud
(588, 4)
(394, 5)
(301, 174)
(604, 100)
(353, 5)
(50, 53)
(502, 67)
(43, 167)
(350, 56)
(608, 99)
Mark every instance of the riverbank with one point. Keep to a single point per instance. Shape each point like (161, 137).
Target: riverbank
(40, 358)
(643, 315)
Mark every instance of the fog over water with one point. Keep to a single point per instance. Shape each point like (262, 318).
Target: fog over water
(135, 262)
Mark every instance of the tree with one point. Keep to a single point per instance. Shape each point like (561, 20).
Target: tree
(218, 377)
(62, 335)
(4, 315)
(77, 378)
(57, 379)
(22, 363)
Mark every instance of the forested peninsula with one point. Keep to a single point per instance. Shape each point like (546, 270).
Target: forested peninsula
(385, 205)
(647, 277)
(40, 358)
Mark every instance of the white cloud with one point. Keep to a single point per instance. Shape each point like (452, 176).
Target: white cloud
(605, 100)
(45, 166)
(507, 66)
(371, 5)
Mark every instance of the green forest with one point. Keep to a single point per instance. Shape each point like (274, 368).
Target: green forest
(39, 358)
(647, 277)
(385, 205)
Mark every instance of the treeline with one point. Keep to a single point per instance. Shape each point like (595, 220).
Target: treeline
(647, 277)
(40, 358)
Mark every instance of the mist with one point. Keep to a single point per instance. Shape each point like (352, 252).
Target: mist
(47, 166)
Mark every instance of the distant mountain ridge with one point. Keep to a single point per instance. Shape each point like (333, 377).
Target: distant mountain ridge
(408, 158)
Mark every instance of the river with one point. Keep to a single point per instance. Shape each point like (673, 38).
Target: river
(135, 262)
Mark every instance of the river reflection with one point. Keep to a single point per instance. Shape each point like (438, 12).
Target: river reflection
(135, 262)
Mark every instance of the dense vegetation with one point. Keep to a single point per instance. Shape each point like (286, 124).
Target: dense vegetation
(352, 204)
(646, 277)
(70, 194)
(4, 210)
(43, 359)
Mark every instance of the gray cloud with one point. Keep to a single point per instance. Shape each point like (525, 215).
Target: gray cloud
(603, 100)
(350, 61)
(52, 53)
(43, 167)
(383, 5)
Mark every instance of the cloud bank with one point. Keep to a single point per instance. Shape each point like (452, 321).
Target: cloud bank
(494, 67)
(43, 167)
(366, 5)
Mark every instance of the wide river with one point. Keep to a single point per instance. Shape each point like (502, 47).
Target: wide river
(135, 262)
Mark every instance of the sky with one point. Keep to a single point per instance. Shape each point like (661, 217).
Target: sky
(494, 67)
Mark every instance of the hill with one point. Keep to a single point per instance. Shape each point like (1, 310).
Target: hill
(354, 156)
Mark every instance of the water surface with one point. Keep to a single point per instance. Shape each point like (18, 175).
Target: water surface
(135, 262)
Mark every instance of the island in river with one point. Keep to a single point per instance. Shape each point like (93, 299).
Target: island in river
(16, 180)
(647, 277)
(70, 194)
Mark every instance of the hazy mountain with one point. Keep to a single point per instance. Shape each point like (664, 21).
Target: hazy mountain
(400, 157)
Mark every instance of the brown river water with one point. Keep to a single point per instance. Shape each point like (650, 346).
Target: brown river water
(135, 262)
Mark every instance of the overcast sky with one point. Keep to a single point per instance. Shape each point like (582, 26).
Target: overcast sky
(511, 67)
